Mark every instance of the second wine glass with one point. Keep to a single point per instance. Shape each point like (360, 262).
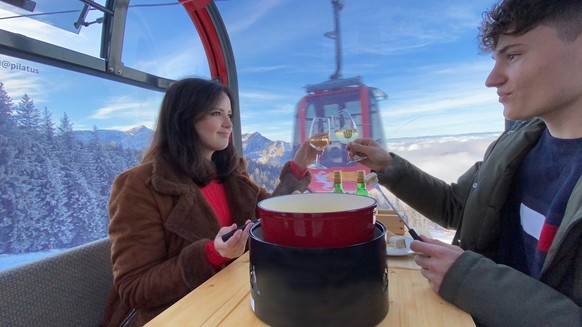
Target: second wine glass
(346, 130)
(319, 138)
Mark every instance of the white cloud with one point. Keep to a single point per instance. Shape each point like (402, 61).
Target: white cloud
(261, 96)
(443, 99)
(262, 69)
(17, 83)
(408, 26)
(444, 157)
(179, 64)
(129, 109)
(247, 16)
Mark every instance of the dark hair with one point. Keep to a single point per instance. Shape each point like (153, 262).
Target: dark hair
(175, 138)
(517, 17)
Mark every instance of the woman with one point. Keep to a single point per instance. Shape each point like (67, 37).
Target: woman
(167, 215)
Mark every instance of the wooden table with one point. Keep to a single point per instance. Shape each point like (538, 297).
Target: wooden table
(224, 300)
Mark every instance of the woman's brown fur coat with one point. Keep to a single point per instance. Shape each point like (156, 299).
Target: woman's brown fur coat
(159, 225)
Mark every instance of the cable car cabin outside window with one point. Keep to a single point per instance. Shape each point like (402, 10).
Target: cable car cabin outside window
(362, 106)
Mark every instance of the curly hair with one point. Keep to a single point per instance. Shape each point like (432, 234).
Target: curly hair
(175, 139)
(517, 17)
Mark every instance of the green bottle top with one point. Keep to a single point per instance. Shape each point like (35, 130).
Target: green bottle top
(361, 184)
(337, 182)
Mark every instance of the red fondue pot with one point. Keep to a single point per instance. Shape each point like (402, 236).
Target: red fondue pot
(317, 220)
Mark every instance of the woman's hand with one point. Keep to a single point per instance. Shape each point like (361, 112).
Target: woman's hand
(305, 155)
(235, 246)
(435, 258)
(377, 158)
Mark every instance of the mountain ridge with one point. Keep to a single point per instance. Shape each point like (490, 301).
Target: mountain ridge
(256, 147)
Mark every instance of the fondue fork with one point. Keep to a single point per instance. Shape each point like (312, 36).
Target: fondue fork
(372, 179)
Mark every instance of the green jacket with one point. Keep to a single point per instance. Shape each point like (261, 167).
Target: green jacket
(494, 294)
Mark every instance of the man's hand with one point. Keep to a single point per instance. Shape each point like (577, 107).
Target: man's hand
(435, 258)
(377, 158)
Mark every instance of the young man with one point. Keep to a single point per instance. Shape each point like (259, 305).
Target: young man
(517, 254)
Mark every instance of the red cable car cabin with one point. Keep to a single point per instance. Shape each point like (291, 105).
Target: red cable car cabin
(325, 99)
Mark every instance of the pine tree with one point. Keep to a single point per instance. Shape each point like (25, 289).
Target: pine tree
(6, 106)
(22, 180)
(7, 129)
(27, 116)
(48, 127)
(9, 179)
(57, 228)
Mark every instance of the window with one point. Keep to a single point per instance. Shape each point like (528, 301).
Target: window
(65, 131)
(77, 108)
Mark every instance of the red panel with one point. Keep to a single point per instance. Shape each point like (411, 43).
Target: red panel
(365, 104)
(197, 11)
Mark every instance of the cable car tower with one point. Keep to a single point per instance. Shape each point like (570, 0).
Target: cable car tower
(328, 97)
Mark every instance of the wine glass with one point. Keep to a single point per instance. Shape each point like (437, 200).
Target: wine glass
(346, 130)
(319, 138)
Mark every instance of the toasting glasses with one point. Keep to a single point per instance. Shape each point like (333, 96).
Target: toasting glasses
(319, 138)
(346, 130)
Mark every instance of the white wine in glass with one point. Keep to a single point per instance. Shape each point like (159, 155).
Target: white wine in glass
(345, 130)
(345, 136)
(319, 138)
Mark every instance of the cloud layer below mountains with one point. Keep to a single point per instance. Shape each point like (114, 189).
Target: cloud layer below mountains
(445, 157)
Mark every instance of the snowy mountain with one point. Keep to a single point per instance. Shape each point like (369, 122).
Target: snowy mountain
(255, 146)
(137, 138)
(262, 150)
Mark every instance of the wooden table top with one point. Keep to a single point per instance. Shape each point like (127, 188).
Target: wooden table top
(224, 300)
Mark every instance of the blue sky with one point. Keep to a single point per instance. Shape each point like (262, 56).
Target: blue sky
(422, 53)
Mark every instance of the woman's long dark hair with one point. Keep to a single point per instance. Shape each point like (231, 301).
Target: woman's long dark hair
(175, 139)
